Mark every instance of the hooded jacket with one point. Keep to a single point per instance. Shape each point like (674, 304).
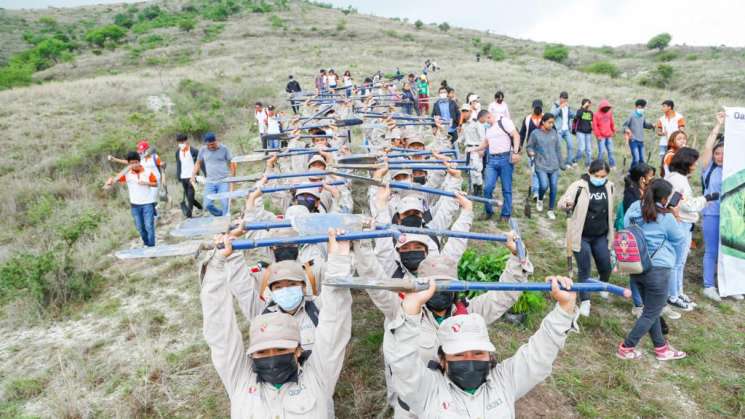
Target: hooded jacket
(602, 122)
(578, 196)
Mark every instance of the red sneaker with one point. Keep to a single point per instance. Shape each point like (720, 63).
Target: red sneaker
(668, 353)
(627, 353)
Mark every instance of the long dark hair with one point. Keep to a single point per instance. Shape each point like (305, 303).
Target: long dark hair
(636, 173)
(659, 190)
(683, 159)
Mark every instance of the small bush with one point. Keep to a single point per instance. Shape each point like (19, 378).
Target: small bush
(497, 54)
(124, 20)
(660, 41)
(264, 7)
(418, 24)
(341, 24)
(408, 37)
(99, 36)
(603, 67)
(151, 12)
(211, 32)
(556, 52)
(482, 267)
(15, 75)
(24, 389)
(277, 22)
(529, 303)
(666, 56)
(692, 57)
(322, 4)
(607, 50)
(349, 10)
(187, 24)
(444, 26)
(476, 41)
(40, 209)
(221, 10)
(661, 77)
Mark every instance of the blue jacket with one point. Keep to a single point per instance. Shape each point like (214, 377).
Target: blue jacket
(558, 117)
(665, 228)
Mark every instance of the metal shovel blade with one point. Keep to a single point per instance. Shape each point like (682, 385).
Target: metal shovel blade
(182, 249)
(238, 179)
(239, 193)
(247, 158)
(202, 226)
(316, 224)
(359, 159)
(395, 285)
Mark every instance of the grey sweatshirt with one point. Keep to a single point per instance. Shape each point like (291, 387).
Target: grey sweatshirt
(547, 149)
(637, 124)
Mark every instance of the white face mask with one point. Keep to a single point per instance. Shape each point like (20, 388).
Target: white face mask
(182, 146)
(443, 95)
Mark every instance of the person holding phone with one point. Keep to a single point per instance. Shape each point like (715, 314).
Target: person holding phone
(682, 165)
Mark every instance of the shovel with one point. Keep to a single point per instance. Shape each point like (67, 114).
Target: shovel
(254, 157)
(451, 285)
(256, 178)
(270, 189)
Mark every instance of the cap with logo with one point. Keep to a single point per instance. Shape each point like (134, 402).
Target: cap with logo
(400, 172)
(290, 270)
(273, 330)
(409, 203)
(466, 332)
(405, 239)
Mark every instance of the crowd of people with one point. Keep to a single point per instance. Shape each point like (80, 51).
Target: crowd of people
(439, 360)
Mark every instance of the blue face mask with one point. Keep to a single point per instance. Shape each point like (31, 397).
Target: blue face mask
(288, 298)
(640, 112)
(598, 182)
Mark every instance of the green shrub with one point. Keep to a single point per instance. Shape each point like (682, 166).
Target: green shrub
(277, 22)
(408, 37)
(322, 4)
(603, 67)
(444, 26)
(349, 10)
(211, 32)
(187, 24)
(666, 56)
(40, 209)
(341, 24)
(151, 12)
(124, 20)
(15, 75)
(418, 24)
(24, 388)
(556, 52)
(497, 54)
(99, 36)
(660, 41)
(221, 10)
(199, 108)
(529, 303)
(692, 57)
(661, 77)
(476, 41)
(482, 267)
(264, 7)
(607, 50)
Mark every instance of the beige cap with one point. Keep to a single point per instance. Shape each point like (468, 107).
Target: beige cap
(439, 267)
(415, 139)
(466, 332)
(404, 239)
(409, 203)
(315, 159)
(273, 330)
(400, 172)
(314, 191)
(287, 269)
(295, 211)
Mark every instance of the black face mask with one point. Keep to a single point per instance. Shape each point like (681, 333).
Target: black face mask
(276, 369)
(286, 253)
(468, 375)
(412, 259)
(308, 201)
(420, 179)
(412, 221)
(441, 300)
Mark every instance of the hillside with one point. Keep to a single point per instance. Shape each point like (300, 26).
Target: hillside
(85, 335)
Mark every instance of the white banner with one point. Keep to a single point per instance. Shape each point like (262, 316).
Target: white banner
(732, 213)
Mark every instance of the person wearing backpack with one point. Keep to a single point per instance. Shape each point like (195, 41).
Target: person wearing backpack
(590, 227)
(660, 239)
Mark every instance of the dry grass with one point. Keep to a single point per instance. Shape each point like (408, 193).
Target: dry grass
(136, 349)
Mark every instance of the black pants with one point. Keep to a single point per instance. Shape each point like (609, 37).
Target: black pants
(295, 108)
(595, 248)
(653, 289)
(189, 202)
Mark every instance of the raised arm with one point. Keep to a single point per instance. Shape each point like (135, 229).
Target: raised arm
(369, 267)
(711, 139)
(220, 327)
(455, 247)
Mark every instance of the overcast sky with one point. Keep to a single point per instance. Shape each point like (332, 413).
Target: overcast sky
(585, 22)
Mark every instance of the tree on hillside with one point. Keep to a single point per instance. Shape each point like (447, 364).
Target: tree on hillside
(660, 41)
(418, 24)
(444, 26)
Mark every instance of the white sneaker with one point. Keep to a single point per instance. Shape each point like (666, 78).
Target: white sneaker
(603, 295)
(637, 311)
(688, 300)
(584, 308)
(551, 215)
(539, 205)
(712, 294)
(670, 313)
(738, 297)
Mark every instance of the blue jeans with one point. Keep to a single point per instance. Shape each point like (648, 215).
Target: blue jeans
(273, 143)
(548, 180)
(568, 140)
(637, 151)
(499, 166)
(584, 145)
(663, 150)
(675, 285)
(144, 216)
(606, 145)
(711, 249)
(636, 296)
(652, 285)
(593, 248)
(212, 188)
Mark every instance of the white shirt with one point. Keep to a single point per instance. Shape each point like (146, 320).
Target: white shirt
(261, 120)
(565, 118)
(187, 163)
(139, 194)
(669, 126)
(499, 109)
(152, 162)
(272, 125)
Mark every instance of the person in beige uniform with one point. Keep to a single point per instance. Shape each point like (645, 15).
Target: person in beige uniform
(490, 305)
(466, 381)
(277, 379)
